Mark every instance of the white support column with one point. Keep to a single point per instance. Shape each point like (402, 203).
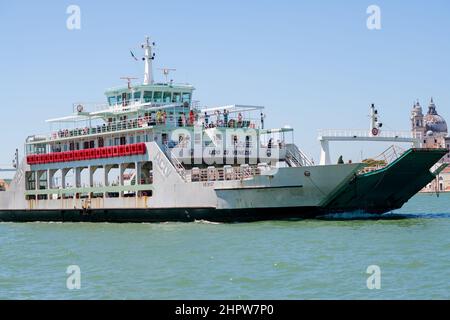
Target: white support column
(105, 179)
(324, 152)
(77, 172)
(138, 167)
(63, 180)
(38, 179)
(122, 168)
(91, 175)
(91, 178)
(50, 176)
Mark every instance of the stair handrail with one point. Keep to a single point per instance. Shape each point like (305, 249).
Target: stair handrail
(298, 155)
(176, 163)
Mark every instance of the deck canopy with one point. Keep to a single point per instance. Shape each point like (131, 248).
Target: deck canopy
(234, 108)
(277, 130)
(78, 117)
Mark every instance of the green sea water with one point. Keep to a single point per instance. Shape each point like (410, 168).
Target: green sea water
(304, 259)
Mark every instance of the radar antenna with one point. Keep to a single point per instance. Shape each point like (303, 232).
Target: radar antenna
(128, 80)
(166, 72)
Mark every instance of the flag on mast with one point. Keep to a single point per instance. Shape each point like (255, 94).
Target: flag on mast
(132, 54)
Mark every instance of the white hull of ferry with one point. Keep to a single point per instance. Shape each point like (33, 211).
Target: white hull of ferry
(272, 193)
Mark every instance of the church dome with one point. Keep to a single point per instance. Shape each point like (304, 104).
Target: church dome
(433, 121)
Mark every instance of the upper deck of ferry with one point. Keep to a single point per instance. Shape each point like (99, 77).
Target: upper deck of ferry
(143, 113)
(151, 112)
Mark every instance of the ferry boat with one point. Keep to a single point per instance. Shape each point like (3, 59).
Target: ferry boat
(153, 154)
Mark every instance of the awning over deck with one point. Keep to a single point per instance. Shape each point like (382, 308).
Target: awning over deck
(277, 130)
(234, 108)
(74, 118)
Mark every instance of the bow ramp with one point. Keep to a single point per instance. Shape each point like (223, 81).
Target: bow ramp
(388, 188)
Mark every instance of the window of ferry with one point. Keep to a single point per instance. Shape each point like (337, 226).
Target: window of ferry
(112, 100)
(186, 97)
(119, 99)
(137, 95)
(157, 96)
(167, 97)
(176, 97)
(123, 141)
(40, 148)
(147, 96)
(100, 142)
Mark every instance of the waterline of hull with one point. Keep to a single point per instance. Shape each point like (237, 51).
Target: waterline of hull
(165, 215)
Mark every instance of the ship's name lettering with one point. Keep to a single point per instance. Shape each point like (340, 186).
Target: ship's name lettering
(208, 184)
(162, 166)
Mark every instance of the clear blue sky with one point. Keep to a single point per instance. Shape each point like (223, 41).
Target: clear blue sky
(313, 64)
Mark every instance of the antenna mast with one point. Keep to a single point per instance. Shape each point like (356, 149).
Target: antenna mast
(375, 124)
(149, 56)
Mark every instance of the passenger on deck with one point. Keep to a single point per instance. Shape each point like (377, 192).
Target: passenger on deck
(191, 118)
(225, 117)
(280, 145)
(158, 117)
(240, 120)
(206, 120)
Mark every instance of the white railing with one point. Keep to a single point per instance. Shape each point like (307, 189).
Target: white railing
(338, 133)
(223, 174)
(384, 159)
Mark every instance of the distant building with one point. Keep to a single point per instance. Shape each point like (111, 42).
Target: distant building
(432, 130)
(445, 175)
